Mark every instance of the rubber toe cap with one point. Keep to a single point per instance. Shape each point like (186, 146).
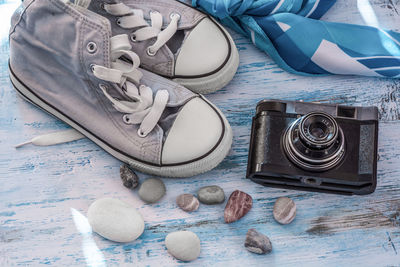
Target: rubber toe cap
(204, 51)
(194, 133)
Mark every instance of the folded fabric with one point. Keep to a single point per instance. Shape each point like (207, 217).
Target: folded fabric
(292, 34)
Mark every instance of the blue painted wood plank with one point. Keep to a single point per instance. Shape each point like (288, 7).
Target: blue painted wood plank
(42, 189)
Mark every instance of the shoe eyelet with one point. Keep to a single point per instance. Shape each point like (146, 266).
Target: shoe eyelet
(173, 14)
(118, 21)
(133, 37)
(141, 134)
(126, 119)
(150, 53)
(91, 66)
(91, 47)
(102, 6)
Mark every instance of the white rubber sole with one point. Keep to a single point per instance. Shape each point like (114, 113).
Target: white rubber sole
(218, 80)
(179, 171)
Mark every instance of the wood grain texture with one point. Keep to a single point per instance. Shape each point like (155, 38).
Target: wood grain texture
(45, 191)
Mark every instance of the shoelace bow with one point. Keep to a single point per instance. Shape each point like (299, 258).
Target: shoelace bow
(133, 18)
(140, 108)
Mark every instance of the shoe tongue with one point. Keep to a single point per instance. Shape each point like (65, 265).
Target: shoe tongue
(82, 3)
(175, 42)
(82, 6)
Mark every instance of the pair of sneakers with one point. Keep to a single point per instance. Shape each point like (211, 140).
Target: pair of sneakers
(80, 62)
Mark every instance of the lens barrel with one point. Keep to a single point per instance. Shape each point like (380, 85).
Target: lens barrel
(314, 142)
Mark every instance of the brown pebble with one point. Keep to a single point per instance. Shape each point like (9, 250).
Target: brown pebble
(238, 205)
(129, 177)
(284, 210)
(257, 243)
(187, 202)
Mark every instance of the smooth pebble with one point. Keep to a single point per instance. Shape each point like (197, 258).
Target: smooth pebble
(210, 195)
(284, 210)
(257, 243)
(187, 202)
(183, 245)
(238, 205)
(152, 190)
(115, 220)
(129, 177)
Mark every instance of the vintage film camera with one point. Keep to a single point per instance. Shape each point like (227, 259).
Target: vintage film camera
(316, 147)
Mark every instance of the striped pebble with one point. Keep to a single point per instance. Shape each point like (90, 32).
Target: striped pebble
(239, 204)
(187, 202)
(284, 210)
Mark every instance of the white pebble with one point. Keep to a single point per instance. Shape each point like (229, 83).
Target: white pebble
(115, 220)
(183, 245)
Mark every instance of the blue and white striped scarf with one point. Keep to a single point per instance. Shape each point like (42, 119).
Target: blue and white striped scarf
(292, 34)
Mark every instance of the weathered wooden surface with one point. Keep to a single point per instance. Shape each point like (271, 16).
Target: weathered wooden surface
(45, 191)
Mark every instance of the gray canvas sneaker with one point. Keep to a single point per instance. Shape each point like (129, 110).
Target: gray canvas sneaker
(64, 60)
(174, 40)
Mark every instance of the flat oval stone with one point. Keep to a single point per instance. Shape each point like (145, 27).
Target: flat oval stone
(257, 243)
(183, 245)
(129, 177)
(210, 195)
(284, 210)
(115, 220)
(152, 190)
(187, 202)
(239, 204)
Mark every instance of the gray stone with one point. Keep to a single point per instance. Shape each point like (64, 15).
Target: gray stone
(152, 190)
(257, 242)
(211, 195)
(187, 202)
(284, 210)
(129, 177)
(183, 245)
(115, 220)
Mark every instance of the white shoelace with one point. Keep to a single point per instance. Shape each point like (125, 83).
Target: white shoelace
(141, 108)
(134, 19)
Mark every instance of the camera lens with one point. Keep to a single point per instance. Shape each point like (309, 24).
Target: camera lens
(314, 142)
(318, 130)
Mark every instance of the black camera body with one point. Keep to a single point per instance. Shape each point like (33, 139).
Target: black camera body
(315, 147)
